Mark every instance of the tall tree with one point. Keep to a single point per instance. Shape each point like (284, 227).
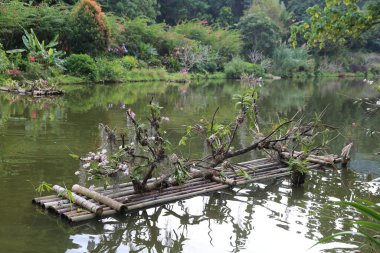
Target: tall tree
(337, 22)
(221, 11)
(131, 8)
(90, 30)
(298, 8)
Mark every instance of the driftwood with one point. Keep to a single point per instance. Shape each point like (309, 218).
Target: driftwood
(82, 202)
(322, 160)
(346, 154)
(99, 198)
(34, 92)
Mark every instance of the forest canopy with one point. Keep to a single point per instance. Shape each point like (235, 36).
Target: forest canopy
(163, 37)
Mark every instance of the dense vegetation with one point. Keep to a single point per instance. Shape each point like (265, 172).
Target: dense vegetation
(114, 40)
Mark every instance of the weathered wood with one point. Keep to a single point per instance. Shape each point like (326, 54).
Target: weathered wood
(90, 216)
(346, 154)
(79, 200)
(177, 197)
(326, 161)
(99, 198)
(55, 203)
(38, 199)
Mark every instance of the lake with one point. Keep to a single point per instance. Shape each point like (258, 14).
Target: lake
(38, 134)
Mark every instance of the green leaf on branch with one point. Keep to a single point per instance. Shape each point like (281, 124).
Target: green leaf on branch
(183, 141)
(43, 186)
(243, 173)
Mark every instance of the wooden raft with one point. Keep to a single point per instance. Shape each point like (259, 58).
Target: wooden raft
(106, 202)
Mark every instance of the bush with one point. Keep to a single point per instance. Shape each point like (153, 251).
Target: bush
(34, 71)
(225, 42)
(140, 30)
(211, 67)
(4, 62)
(110, 70)
(288, 61)
(81, 65)
(237, 67)
(158, 74)
(129, 62)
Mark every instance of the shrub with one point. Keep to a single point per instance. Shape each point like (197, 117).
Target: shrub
(157, 74)
(288, 61)
(129, 62)
(109, 70)
(225, 42)
(81, 65)
(4, 62)
(211, 67)
(34, 71)
(17, 61)
(194, 57)
(140, 30)
(173, 64)
(237, 67)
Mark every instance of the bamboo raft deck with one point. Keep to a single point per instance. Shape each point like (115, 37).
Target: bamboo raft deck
(126, 200)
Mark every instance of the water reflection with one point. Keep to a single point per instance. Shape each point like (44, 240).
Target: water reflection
(36, 136)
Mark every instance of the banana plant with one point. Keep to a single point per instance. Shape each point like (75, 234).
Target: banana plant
(45, 54)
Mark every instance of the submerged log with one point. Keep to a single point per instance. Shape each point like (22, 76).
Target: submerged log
(99, 198)
(79, 200)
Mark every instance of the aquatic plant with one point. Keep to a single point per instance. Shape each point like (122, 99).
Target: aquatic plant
(369, 230)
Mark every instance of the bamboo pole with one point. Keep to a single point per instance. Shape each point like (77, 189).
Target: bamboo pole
(99, 198)
(254, 161)
(90, 216)
(58, 203)
(107, 212)
(38, 199)
(263, 177)
(171, 193)
(79, 200)
(174, 198)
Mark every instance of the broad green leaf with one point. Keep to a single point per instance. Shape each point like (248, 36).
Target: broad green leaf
(369, 225)
(183, 141)
(363, 209)
(243, 173)
(74, 156)
(15, 51)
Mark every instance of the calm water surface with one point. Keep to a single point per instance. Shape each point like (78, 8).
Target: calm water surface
(36, 136)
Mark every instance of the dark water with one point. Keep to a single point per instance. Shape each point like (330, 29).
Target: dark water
(36, 136)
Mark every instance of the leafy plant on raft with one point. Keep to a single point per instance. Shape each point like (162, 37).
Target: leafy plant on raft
(145, 151)
(365, 229)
